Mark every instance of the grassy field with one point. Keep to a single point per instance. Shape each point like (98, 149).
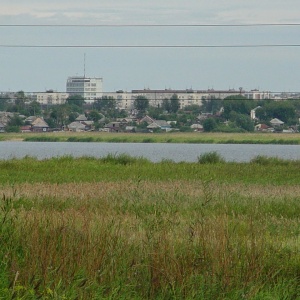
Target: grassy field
(193, 137)
(125, 228)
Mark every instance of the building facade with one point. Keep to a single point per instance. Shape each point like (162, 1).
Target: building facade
(50, 97)
(125, 100)
(156, 97)
(89, 88)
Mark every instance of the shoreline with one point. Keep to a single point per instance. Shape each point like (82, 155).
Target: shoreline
(180, 138)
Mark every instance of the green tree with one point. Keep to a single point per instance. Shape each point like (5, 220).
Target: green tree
(171, 105)
(141, 103)
(193, 108)
(283, 110)
(34, 108)
(244, 122)
(209, 124)
(20, 102)
(60, 114)
(174, 103)
(77, 100)
(94, 116)
(239, 104)
(166, 105)
(72, 116)
(106, 105)
(3, 103)
(212, 105)
(14, 123)
(155, 112)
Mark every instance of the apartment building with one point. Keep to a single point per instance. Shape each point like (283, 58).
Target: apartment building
(125, 100)
(89, 88)
(257, 95)
(50, 97)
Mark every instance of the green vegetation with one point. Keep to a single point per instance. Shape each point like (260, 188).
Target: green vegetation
(229, 115)
(171, 137)
(125, 228)
(210, 158)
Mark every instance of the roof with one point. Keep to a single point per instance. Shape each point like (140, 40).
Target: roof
(40, 123)
(31, 119)
(88, 123)
(262, 126)
(196, 126)
(276, 121)
(112, 125)
(81, 118)
(76, 125)
(147, 119)
(159, 124)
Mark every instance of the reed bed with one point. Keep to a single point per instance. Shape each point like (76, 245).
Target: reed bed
(145, 238)
(170, 137)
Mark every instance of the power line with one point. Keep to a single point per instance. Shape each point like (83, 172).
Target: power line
(152, 46)
(173, 91)
(154, 25)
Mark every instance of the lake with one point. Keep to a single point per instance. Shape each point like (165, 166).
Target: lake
(154, 152)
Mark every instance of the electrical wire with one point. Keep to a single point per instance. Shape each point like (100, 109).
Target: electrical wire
(154, 25)
(151, 46)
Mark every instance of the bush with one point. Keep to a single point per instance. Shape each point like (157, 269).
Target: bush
(123, 159)
(210, 158)
(264, 161)
(12, 129)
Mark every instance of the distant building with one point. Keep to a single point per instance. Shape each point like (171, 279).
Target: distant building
(257, 95)
(123, 99)
(50, 97)
(89, 88)
(156, 97)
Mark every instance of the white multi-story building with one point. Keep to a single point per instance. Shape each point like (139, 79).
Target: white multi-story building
(50, 97)
(88, 88)
(124, 100)
(156, 97)
(257, 95)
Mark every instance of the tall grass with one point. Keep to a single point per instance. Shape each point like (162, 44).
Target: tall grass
(170, 137)
(144, 230)
(210, 158)
(149, 241)
(110, 168)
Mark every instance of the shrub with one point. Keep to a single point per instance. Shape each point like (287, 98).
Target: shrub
(264, 160)
(210, 158)
(122, 159)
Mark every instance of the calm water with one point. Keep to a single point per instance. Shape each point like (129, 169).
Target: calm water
(154, 152)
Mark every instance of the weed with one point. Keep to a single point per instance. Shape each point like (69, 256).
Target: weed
(210, 158)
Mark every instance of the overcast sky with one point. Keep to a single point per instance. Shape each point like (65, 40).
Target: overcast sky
(37, 69)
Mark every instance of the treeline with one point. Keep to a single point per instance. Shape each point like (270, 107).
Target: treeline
(231, 114)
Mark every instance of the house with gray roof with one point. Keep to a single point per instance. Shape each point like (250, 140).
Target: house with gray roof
(81, 118)
(76, 126)
(113, 127)
(160, 124)
(39, 125)
(276, 122)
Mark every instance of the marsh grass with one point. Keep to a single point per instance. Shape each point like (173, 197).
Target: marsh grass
(210, 158)
(170, 137)
(177, 237)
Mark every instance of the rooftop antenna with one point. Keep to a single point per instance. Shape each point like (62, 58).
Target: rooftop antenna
(84, 66)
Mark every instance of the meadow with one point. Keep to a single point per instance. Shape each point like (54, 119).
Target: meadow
(170, 137)
(120, 227)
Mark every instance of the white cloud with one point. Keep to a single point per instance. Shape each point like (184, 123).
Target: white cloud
(179, 68)
(138, 11)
